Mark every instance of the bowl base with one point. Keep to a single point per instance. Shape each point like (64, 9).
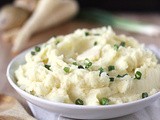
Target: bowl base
(42, 114)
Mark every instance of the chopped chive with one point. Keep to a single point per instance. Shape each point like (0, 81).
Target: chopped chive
(32, 92)
(111, 67)
(74, 63)
(79, 102)
(144, 95)
(37, 48)
(87, 63)
(95, 43)
(86, 33)
(57, 42)
(47, 66)
(86, 60)
(119, 76)
(138, 75)
(33, 53)
(104, 101)
(122, 44)
(116, 47)
(80, 67)
(100, 71)
(97, 34)
(111, 79)
(90, 63)
(66, 69)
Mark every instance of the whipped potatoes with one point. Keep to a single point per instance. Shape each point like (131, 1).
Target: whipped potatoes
(90, 67)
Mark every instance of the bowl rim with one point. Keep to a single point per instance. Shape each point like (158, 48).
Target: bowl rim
(66, 105)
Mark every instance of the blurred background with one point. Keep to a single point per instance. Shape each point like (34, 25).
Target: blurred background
(117, 5)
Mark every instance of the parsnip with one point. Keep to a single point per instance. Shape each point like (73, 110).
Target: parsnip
(29, 5)
(66, 10)
(47, 14)
(11, 17)
(10, 35)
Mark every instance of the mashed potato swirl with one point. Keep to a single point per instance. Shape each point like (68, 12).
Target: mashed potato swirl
(90, 65)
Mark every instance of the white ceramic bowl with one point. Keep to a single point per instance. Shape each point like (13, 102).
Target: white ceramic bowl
(76, 111)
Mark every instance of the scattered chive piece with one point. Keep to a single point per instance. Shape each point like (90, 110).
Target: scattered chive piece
(100, 71)
(119, 76)
(144, 95)
(66, 69)
(87, 63)
(116, 47)
(80, 67)
(32, 92)
(79, 102)
(74, 63)
(33, 53)
(104, 101)
(138, 75)
(111, 79)
(122, 44)
(86, 33)
(57, 42)
(97, 34)
(47, 66)
(110, 68)
(37, 48)
(86, 60)
(95, 43)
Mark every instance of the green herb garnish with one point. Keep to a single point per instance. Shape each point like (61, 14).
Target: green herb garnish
(32, 92)
(97, 34)
(80, 67)
(144, 95)
(95, 43)
(138, 75)
(87, 63)
(86, 33)
(119, 76)
(111, 67)
(104, 101)
(74, 63)
(122, 44)
(33, 53)
(37, 48)
(111, 79)
(116, 47)
(66, 69)
(47, 66)
(79, 102)
(100, 71)
(57, 42)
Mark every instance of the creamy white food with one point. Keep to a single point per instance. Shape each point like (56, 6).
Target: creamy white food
(90, 65)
